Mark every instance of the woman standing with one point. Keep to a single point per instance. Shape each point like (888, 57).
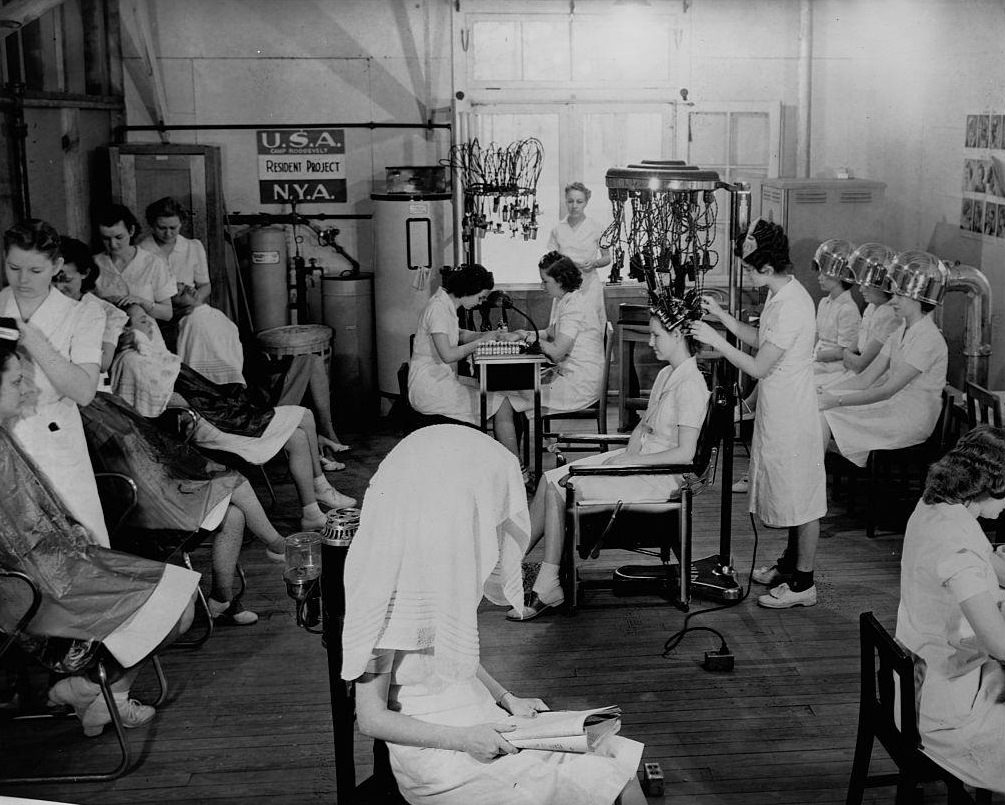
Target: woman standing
(433, 386)
(577, 236)
(896, 401)
(574, 341)
(788, 486)
(950, 612)
(429, 546)
(208, 341)
(61, 342)
(130, 275)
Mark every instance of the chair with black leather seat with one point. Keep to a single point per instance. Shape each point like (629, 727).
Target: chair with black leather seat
(641, 526)
(20, 650)
(888, 711)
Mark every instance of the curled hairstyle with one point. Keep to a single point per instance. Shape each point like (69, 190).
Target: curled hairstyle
(77, 253)
(974, 470)
(582, 188)
(166, 207)
(112, 214)
(561, 269)
(466, 279)
(33, 235)
(764, 244)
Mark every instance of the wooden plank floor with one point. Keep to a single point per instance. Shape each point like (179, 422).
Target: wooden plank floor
(248, 716)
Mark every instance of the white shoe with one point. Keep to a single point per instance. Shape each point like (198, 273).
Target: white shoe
(131, 713)
(768, 575)
(782, 597)
(231, 613)
(742, 486)
(307, 524)
(332, 498)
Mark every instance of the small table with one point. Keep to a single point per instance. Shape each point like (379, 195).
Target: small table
(512, 373)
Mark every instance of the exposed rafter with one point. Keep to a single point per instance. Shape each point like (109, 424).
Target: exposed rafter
(136, 23)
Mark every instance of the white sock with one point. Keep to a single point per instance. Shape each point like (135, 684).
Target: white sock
(547, 582)
(311, 511)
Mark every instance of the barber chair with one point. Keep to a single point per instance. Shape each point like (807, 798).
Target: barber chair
(658, 527)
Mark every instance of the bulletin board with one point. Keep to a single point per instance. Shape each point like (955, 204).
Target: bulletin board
(982, 210)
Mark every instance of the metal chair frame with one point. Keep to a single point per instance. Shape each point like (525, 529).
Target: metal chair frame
(598, 410)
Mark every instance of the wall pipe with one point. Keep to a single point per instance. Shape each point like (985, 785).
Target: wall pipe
(977, 335)
(120, 131)
(805, 89)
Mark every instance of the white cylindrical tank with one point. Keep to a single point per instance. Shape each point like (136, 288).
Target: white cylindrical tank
(413, 240)
(267, 268)
(348, 310)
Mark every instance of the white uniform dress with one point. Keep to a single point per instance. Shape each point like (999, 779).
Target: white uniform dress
(433, 385)
(788, 486)
(147, 276)
(961, 688)
(581, 243)
(878, 324)
(838, 323)
(576, 381)
(910, 415)
(54, 435)
(208, 341)
(679, 397)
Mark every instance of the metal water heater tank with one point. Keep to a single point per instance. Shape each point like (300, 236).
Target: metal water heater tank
(348, 309)
(413, 240)
(267, 274)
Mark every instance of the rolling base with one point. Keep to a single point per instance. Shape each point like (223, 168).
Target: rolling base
(645, 580)
(709, 579)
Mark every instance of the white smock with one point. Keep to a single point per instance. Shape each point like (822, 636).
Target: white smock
(788, 485)
(838, 323)
(208, 341)
(433, 385)
(146, 276)
(679, 398)
(54, 435)
(429, 546)
(961, 688)
(910, 415)
(878, 324)
(580, 244)
(576, 381)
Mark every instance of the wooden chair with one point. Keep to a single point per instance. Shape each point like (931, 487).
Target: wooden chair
(983, 407)
(893, 474)
(20, 649)
(598, 410)
(888, 668)
(663, 524)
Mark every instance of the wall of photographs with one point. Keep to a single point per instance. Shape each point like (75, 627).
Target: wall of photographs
(983, 206)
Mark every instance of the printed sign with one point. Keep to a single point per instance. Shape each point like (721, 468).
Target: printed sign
(302, 165)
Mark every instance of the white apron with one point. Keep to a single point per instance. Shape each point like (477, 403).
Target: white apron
(910, 415)
(433, 386)
(878, 324)
(788, 486)
(54, 436)
(838, 325)
(581, 244)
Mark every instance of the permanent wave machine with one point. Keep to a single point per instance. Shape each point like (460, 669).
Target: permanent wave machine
(664, 228)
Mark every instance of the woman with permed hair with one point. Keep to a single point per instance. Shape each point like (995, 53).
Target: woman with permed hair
(433, 386)
(574, 341)
(950, 614)
(577, 236)
(788, 486)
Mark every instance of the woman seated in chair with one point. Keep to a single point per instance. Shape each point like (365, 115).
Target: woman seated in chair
(429, 546)
(667, 434)
(838, 318)
(574, 341)
(895, 402)
(89, 593)
(434, 388)
(950, 613)
(231, 419)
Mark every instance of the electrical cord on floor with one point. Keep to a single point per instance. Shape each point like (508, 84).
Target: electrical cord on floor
(717, 660)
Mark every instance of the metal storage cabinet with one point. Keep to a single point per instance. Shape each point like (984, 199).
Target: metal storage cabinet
(813, 210)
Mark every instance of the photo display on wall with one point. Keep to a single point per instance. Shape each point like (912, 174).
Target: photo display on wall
(982, 210)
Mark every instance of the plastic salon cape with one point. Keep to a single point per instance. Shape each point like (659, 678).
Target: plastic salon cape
(88, 592)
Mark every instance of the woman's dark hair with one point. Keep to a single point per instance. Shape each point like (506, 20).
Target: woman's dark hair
(112, 214)
(764, 244)
(565, 272)
(165, 207)
(974, 470)
(927, 307)
(76, 253)
(8, 350)
(33, 235)
(466, 279)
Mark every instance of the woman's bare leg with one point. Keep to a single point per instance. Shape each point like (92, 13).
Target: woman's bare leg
(257, 522)
(299, 455)
(226, 550)
(504, 427)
